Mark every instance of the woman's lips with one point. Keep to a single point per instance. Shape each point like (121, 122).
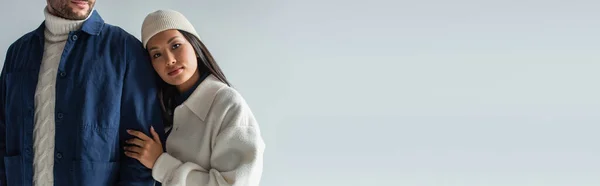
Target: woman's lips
(176, 71)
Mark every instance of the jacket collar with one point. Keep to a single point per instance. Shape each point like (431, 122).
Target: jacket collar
(92, 25)
(201, 100)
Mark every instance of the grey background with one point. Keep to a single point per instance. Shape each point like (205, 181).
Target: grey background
(412, 93)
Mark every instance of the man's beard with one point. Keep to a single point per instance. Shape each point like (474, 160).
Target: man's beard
(63, 10)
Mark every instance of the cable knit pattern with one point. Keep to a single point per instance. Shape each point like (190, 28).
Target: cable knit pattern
(56, 34)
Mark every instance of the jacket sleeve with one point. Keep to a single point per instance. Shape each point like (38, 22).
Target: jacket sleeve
(236, 158)
(3, 120)
(140, 110)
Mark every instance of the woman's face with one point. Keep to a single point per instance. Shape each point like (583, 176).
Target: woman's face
(173, 58)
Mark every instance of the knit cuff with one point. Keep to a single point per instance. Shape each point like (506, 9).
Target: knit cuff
(164, 165)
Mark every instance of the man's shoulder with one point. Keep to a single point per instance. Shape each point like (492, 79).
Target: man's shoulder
(119, 33)
(20, 48)
(123, 42)
(25, 39)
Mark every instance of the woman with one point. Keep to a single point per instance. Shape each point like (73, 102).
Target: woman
(213, 138)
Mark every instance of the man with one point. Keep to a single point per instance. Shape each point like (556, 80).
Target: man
(69, 90)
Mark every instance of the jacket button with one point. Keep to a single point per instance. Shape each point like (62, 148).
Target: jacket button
(62, 74)
(59, 155)
(59, 115)
(74, 37)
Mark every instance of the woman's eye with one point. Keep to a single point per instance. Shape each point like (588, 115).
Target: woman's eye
(176, 46)
(156, 55)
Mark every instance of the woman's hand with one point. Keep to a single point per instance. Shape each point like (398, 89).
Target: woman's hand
(144, 148)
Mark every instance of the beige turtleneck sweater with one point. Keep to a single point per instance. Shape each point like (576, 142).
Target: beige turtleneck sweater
(56, 34)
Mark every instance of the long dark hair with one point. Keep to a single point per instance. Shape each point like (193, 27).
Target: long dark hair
(206, 63)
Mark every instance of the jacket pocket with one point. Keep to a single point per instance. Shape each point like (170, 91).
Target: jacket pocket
(13, 166)
(95, 173)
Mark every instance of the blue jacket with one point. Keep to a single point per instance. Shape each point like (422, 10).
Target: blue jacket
(105, 85)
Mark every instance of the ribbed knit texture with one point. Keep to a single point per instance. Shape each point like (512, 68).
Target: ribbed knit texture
(162, 20)
(56, 34)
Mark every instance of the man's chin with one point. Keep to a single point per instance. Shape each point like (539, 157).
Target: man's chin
(80, 15)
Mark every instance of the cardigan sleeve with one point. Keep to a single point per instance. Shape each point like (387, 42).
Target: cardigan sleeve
(236, 158)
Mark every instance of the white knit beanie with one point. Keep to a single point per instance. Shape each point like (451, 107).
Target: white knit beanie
(162, 20)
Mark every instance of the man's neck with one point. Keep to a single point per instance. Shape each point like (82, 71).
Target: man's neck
(57, 25)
